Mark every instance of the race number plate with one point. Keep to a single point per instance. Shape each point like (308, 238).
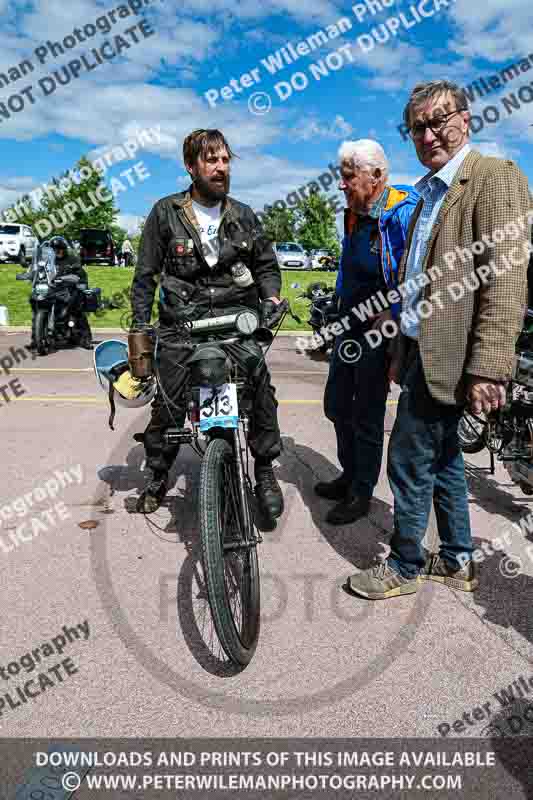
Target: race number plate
(219, 407)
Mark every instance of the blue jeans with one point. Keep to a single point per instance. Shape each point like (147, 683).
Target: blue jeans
(355, 400)
(425, 464)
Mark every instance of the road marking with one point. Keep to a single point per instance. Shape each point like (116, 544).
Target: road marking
(83, 399)
(53, 369)
(58, 399)
(90, 369)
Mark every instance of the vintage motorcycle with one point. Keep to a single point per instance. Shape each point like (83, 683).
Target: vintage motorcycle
(219, 404)
(56, 302)
(508, 433)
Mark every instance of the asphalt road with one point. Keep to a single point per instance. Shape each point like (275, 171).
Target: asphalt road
(144, 660)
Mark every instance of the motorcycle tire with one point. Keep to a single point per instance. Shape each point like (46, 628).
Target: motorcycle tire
(471, 432)
(41, 332)
(229, 555)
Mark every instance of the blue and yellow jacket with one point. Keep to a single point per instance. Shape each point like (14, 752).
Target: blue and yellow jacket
(392, 225)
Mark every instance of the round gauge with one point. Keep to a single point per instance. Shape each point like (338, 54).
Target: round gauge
(247, 322)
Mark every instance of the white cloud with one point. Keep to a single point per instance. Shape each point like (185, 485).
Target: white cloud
(314, 129)
(11, 189)
(498, 30)
(130, 222)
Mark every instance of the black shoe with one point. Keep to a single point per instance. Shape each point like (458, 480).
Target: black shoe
(268, 491)
(333, 490)
(350, 510)
(152, 496)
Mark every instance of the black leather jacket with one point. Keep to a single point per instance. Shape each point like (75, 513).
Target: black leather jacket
(171, 249)
(71, 265)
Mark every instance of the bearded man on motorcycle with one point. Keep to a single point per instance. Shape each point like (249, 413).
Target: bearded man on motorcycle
(210, 254)
(68, 263)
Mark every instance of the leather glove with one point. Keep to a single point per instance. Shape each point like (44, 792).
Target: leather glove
(271, 313)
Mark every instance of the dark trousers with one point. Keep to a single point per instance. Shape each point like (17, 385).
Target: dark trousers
(355, 400)
(425, 466)
(169, 405)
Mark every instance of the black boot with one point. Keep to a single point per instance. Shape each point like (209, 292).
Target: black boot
(152, 496)
(333, 490)
(267, 490)
(352, 508)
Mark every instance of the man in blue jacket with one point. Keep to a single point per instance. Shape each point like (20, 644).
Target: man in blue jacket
(375, 229)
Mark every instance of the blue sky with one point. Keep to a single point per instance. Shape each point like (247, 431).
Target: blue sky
(200, 45)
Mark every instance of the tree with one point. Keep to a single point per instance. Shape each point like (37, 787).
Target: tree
(279, 224)
(84, 204)
(23, 212)
(316, 226)
(136, 238)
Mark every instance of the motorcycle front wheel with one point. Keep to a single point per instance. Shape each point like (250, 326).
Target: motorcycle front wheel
(41, 332)
(229, 553)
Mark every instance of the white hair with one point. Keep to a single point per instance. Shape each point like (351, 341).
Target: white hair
(365, 154)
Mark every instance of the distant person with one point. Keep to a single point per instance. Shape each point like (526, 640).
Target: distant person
(127, 253)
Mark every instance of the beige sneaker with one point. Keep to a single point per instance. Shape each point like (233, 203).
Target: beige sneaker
(437, 569)
(381, 582)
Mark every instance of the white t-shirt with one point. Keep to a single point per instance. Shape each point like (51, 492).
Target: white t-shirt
(209, 222)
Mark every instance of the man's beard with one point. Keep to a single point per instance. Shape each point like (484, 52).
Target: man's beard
(210, 192)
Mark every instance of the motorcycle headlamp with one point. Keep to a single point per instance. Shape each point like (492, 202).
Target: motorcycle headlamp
(247, 322)
(209, 367)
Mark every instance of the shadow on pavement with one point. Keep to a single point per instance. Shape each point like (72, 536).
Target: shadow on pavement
(362, 543)
(506, 599)
(193, 611)
(490, 494)
(506, 730)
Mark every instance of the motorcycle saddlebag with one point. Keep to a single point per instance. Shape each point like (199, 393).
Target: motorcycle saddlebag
(91, 299)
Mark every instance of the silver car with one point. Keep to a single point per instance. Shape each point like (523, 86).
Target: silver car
(291, 256)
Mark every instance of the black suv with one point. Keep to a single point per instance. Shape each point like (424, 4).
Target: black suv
(97, 247)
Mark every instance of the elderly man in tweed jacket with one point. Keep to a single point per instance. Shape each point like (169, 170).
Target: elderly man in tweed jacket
(464, 277)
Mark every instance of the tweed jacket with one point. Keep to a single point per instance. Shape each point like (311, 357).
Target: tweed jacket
(472, 331)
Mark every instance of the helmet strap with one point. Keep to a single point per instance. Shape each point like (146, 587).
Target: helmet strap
(111, 397)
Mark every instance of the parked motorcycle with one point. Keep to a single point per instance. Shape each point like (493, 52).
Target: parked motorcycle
(323, 309)
(508, 432)
(328, 263)
(57, 302)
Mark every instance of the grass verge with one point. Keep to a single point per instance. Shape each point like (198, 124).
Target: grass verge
(116, 281)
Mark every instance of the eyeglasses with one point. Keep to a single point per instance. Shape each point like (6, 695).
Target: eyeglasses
(437, 124)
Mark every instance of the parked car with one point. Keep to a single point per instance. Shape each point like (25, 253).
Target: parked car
(291, 256)
(97, 247)
(322, 259)
(17, 243)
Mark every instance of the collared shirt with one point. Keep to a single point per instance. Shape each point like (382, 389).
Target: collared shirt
(360, 273)
(433, 189)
